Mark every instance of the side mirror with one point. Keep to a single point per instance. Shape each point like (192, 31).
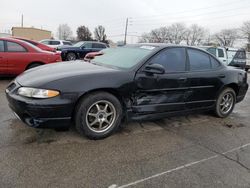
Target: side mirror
(82, 47)
(154, 69)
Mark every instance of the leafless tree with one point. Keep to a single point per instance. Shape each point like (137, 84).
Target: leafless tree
(83, 33)
(172, 34)
(156, 35)
(227, 37)
(64, 32)
(176, 33)
(245, 29)
(194, 35)
(99, 33)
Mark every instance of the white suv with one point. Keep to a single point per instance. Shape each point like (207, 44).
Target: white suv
(248, 61)
(55, 43)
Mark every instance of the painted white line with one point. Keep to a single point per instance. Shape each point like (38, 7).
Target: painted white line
(177, 168)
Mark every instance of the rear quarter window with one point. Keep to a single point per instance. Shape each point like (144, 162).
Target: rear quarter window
(14, 47)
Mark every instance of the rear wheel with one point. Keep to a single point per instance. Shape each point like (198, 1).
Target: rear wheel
(98, 115)
(225, 103)
(33, 65)
(71, 56)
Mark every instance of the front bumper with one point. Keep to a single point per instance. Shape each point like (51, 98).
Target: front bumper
(43, 113)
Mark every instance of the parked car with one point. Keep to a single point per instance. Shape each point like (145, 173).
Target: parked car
(229, 56)
(56, 43)
(91, 55)
(80, 49)
(140, 82)
(37, 44)
(17, 56)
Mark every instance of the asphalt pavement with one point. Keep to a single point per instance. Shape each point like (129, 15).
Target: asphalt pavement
(190, 151)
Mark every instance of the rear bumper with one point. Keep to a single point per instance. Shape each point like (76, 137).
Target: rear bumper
(43, 113)
(242, 92)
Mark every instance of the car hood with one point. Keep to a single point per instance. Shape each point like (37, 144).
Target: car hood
(47, 73)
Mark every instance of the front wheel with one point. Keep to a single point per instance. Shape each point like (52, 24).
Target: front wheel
(98, 115)
(225, 103)
(71, 56)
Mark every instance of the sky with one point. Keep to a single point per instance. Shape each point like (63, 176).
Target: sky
(143, 15)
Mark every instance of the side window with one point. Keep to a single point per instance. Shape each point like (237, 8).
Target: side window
(45, 42)
(212, 51)
(198, 60)
(14, 47)
(54, 42)
(96, 45)
(1, 46)
(88, 45)
(220, 53)
(214, 62)
(173, 59)
(67, 43)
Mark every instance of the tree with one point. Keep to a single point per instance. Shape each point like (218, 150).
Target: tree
(99, 34)
(227, 37)
(176, 33)
(64, 32)
(245, 29)
(83, 33)
(156, 35)
(194, 35)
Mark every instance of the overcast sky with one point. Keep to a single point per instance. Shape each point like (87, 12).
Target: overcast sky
(144, 15)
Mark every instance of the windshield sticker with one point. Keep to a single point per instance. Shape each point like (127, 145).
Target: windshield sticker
(148, 47)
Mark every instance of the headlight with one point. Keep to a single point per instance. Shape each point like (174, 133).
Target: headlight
(37, 93)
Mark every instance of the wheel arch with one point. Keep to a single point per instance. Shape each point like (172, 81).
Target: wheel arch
(34, 62)
(108, 90)
(234, 86)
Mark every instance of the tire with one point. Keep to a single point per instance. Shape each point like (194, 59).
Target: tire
(95, 110)
(71, 56)
(33, 65)
(225, 103)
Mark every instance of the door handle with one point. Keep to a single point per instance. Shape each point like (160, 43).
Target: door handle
(182, 79)
(222, 76)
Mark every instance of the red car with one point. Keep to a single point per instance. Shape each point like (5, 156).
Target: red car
(91, 55)
(17, 56)
(37, 44)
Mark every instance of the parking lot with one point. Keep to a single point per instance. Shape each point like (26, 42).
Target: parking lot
(186, 151)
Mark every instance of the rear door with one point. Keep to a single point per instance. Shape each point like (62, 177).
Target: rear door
(17, 57)
(204, 79)
(3, 59)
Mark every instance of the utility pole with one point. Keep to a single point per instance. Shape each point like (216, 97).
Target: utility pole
(22, 21)
(126, 30)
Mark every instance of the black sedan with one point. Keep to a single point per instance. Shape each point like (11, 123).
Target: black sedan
(139, 82)
(80, 49)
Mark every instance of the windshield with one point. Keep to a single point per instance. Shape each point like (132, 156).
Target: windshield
(122, 57)
(79, 44)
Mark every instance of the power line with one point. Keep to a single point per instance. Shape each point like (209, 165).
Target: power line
(191, 10)
(203, 14)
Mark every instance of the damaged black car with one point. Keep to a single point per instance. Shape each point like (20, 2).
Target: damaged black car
(136, 82)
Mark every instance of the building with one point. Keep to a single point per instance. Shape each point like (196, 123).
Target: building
(31, 33)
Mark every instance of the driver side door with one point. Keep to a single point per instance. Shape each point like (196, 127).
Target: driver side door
(160, 93)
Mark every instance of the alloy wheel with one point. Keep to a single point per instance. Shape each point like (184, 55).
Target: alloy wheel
(100, 116)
